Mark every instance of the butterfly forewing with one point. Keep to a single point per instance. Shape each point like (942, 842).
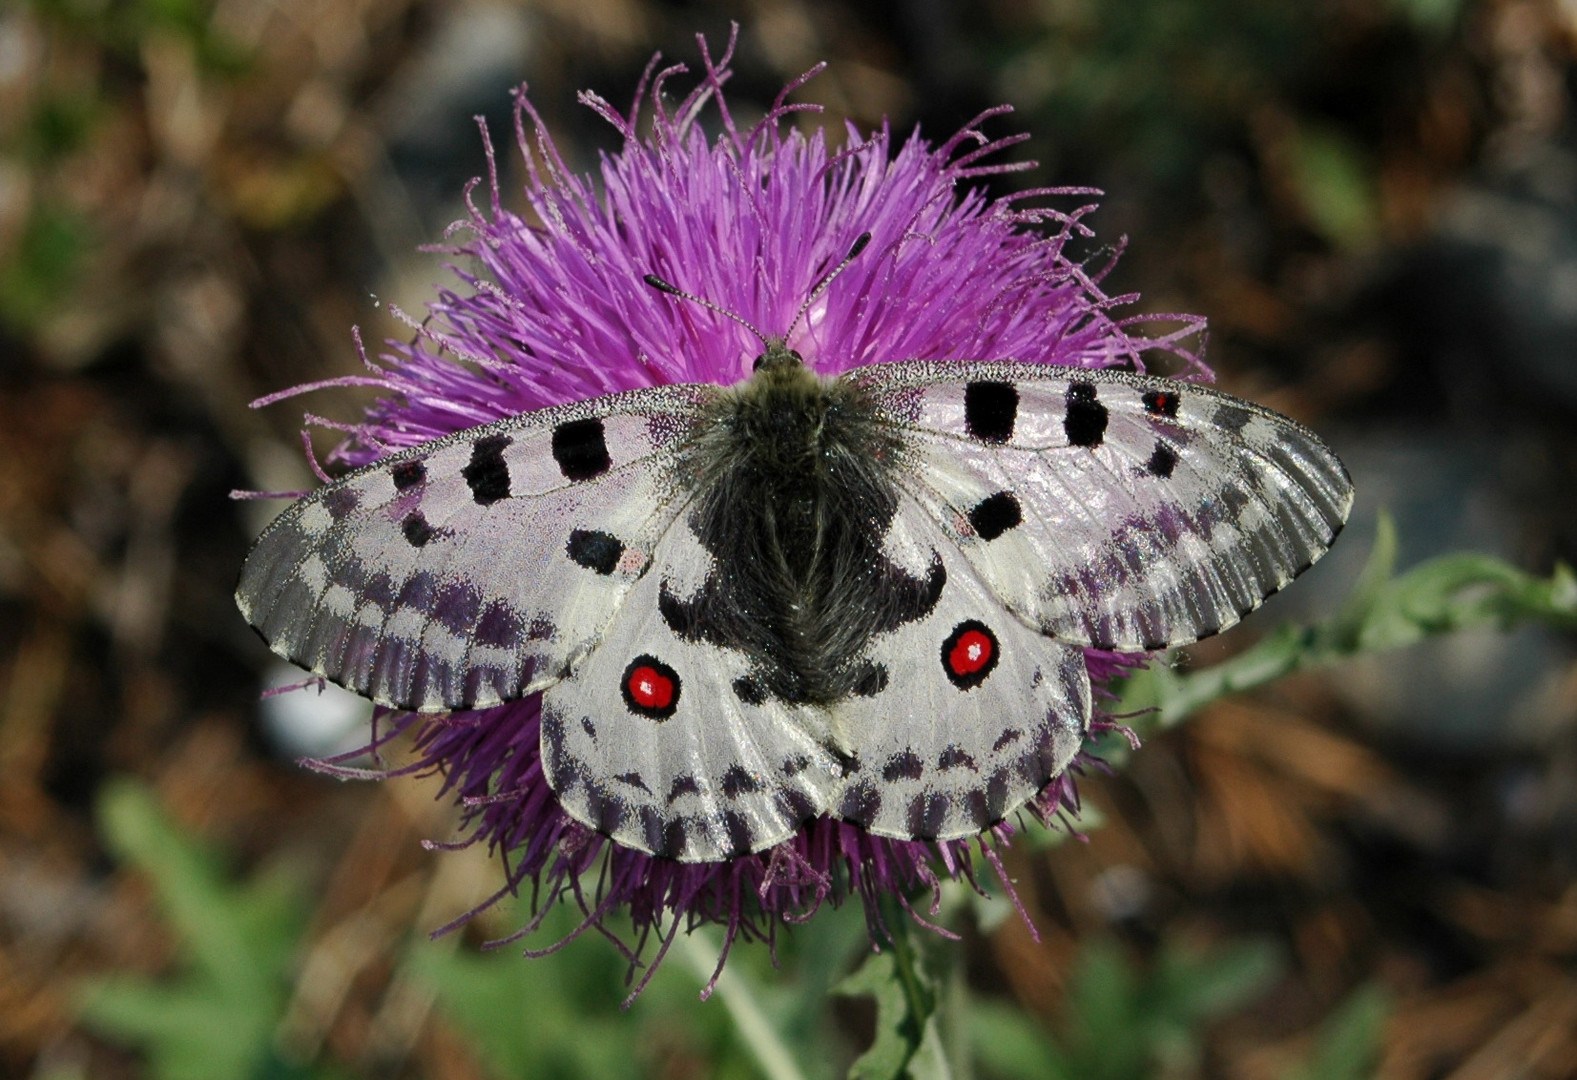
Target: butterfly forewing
(1112, 510)
(477, 568)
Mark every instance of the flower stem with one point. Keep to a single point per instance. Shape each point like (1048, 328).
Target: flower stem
(739, 998)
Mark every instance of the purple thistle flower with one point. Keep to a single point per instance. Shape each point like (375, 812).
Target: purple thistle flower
(553, 307)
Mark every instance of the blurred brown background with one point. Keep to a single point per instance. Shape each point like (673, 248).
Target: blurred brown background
(1374, 202)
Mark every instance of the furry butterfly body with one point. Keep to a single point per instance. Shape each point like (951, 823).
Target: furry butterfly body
(747, 607)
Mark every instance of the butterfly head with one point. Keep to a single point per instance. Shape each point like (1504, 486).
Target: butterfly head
(777, 355)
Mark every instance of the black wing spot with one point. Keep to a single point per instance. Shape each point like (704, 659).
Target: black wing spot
(633, 779)
(418, 591)
(581, 449)
(1231, 418)
(685, 784)
(1008, 737)
(676, 839)
(749, 690)
(872, 681)
(927, 814)
(499, 627)
(1161, 402)
(995, 515)
(956, 757)
(861, 803)
(457, 605)
(339, 501)
(416, 530)
(407, 474)
(741, 834)
(1085, 422)
(595, 550)
(904, 766)
(738, 781)
(1162, 461)
(990, 410)
(487, 474)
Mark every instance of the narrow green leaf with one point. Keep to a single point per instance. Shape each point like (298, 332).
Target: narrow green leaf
(1372, 581)
(1350, 1039)
(193, 893)
(216, 1019)
(1335, 185)
(1199, 986)
(742, 998)
(1011, 1045)
(553, 1017)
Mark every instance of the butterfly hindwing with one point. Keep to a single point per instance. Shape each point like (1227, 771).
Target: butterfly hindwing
(1112, 510)
(973, 711)
(664, 744)
(476, 568)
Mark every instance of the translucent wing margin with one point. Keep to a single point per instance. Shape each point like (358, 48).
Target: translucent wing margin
(477, 568)
(1107, 509)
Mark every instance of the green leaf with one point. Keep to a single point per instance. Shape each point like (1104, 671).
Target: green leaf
(1007, 1043)
(556, 1016)
(1335, 186)
(908, 1042)
(1120, 1023)
(45, 264)
(1197, 986)
(215, 1020)
(189, 1032)
(1350, 1039)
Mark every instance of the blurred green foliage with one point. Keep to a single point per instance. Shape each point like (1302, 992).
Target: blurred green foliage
(215, 1018)
(1149, 93)
(560, 1017)
(123, 26)
(44, 265)
(1349, 1043)
(1123, 1023)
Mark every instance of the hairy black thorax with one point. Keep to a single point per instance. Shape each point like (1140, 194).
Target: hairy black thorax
(794, 489)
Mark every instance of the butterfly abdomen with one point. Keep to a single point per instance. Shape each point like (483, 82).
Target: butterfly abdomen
(793, 492)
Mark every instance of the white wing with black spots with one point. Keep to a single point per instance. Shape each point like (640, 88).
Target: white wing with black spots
(865, 597)
(474, 569)
(1112, 510)
(970, 713)
(663, 744)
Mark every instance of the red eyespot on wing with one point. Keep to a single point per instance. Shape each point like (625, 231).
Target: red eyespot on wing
(650, 688)
(969, 654)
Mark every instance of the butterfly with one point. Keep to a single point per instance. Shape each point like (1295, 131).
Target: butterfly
(747, 607)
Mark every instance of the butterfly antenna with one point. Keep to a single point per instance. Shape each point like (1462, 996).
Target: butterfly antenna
(821, 286)
(673, 290)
